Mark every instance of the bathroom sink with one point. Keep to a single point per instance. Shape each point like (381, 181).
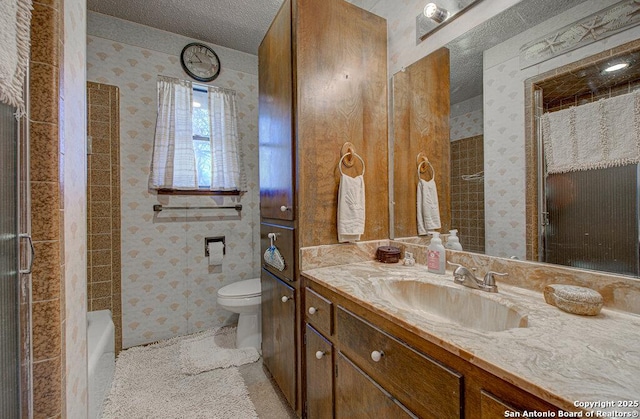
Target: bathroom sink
(472, 309)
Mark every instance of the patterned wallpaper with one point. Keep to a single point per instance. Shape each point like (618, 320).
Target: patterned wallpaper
(73, 132)
(505, 189)
(466, 119)
(168, 289)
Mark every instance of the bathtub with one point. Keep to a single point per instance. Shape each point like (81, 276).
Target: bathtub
(101, 358)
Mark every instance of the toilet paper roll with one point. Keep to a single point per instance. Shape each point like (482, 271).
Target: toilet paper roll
(215, 253)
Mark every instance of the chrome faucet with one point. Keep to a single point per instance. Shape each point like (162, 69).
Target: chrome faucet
(463, 276)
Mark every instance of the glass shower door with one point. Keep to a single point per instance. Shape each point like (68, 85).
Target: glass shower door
(15, 296)
(593, 219)
(9, 266)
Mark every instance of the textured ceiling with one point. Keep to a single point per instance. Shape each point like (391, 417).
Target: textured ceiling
(235, 24)
(241, 25)
(466, 50)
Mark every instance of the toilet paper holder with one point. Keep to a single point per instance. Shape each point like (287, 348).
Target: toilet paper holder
(208, 240)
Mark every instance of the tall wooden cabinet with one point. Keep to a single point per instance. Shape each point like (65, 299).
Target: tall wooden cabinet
(322, 82)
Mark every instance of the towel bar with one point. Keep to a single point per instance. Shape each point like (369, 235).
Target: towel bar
(158, 207)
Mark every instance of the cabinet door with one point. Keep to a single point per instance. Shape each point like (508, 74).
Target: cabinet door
(493, 407)
(319, 373)
(275, 118)
(278, 334)
(284, 242)
(358, 396)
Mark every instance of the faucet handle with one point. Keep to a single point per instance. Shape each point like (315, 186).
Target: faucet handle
(489, 279)
(457, 265)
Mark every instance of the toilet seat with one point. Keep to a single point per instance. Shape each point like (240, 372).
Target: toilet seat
(241, 289)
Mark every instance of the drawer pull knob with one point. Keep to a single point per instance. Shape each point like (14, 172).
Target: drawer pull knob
(284, 208)
(319, 354)
(312, 310)
(377, 355)
(285, 298)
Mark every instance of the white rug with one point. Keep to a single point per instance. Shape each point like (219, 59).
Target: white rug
(214, 349)
(148, 383)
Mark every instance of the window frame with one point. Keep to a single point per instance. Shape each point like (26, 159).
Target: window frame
(201, 191)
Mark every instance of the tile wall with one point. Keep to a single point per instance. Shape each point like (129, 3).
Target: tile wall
(168, 289)
(467, 196)
(58, 197)
(46, 209)
(103, 203)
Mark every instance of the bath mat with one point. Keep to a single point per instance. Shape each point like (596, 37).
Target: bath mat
(148, 383)
(214, 349)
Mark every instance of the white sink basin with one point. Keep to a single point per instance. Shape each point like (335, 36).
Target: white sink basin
(463, 306)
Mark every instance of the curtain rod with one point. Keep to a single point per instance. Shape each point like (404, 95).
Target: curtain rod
(196, 85)
(158, 207)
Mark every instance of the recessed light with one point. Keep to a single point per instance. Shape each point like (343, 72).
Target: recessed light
(196, 104)
(616, 67)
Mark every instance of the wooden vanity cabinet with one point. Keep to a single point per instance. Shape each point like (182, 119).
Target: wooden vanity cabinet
(411, 378)
(322, 83)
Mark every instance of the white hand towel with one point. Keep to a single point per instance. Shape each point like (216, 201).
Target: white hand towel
(351, 208)
(427, 205)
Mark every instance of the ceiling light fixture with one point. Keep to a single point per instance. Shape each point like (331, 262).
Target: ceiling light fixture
(196, 104)
(616, 67)
(435, 13)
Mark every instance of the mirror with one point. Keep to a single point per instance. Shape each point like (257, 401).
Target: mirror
(488, 118)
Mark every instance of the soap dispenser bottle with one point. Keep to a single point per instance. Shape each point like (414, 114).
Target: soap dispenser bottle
(453, 242)
(436, 254)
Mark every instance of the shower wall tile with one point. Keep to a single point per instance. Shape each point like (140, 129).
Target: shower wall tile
(46, 317)
(45, 204)
(167, 286)
(46, 385)
(44, 47)
(45, 283)
(44, 142)
(104, 203)
(44, 79)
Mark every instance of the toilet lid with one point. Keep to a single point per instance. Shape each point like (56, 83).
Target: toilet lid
(241, 289)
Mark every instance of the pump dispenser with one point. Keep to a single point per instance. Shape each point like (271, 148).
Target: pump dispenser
(453, 242)
(436, 254)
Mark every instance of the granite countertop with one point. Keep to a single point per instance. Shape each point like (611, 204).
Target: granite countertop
(560, 357)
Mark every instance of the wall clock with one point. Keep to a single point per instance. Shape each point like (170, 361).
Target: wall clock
(200, 62)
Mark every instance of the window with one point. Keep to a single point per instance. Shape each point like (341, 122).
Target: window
(201, 137)
(196, 146)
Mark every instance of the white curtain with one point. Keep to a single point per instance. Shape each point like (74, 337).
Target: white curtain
(227, 172)
(174, 163)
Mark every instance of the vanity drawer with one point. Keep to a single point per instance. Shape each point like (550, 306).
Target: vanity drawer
(319, 311)
(423, 385)
(284, 243)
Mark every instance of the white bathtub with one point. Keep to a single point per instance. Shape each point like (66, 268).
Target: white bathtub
(101, 358)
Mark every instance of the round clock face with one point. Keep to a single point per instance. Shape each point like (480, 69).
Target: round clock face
(200, 62)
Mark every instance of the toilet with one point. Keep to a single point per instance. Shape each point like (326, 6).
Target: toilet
(243, 297)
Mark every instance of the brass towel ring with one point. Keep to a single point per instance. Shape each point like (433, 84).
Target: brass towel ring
(342, 160)
(423, 163)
